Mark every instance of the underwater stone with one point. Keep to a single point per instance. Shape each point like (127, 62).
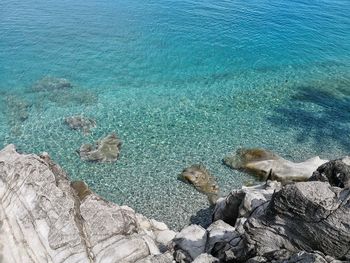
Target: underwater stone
(81, 123)
(107, 150)
(51, 84)
(17, 111)
(267, 165)
(81, 188)
(198, 176)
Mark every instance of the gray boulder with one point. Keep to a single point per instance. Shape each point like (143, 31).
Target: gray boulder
(336, 173)
(190, 243)
(242, 202)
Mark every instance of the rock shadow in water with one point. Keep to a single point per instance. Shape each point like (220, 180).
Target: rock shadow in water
(319, 114)
(203, 217)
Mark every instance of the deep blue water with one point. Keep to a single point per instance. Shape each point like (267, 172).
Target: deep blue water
(181, 82)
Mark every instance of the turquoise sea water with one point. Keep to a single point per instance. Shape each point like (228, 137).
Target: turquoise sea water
(181, 82)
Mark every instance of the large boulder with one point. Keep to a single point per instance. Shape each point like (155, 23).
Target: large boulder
(336, 172)
(190, 243)
(46, 218)
(242, 202)
(267, 165)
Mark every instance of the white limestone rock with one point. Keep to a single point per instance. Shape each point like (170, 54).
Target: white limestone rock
(46, 218)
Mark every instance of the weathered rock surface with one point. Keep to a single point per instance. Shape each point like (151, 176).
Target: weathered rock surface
(267, 165)
(242, 202)
(198, 176)
(190, 243)
(206, 258)
(44, 219)
(107, 149)
(336, 172)
(299, 222)
(81, 123)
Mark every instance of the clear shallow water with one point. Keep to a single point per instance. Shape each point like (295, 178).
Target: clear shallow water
(181, 82)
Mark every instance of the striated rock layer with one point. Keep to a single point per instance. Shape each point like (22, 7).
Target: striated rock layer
(299, 222)
(44, 219)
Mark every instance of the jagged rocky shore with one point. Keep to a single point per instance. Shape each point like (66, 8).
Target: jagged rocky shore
(47, 218)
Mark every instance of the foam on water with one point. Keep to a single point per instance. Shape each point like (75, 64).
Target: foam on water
(181, 83)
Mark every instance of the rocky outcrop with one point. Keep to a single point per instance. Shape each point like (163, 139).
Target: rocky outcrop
(105, 150)
(299, 222)
(267, 165)
(81, 123)
(45, 218)
(198, 176)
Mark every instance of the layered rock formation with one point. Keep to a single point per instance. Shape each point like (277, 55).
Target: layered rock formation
(44, 219)
(299, 222)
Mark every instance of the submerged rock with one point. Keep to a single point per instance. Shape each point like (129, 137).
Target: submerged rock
(16, 111)
(44, 218)
(81, 123)
(81, 188)
(198, 176)
(106, 150)
(267, 165)
(51, 84)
